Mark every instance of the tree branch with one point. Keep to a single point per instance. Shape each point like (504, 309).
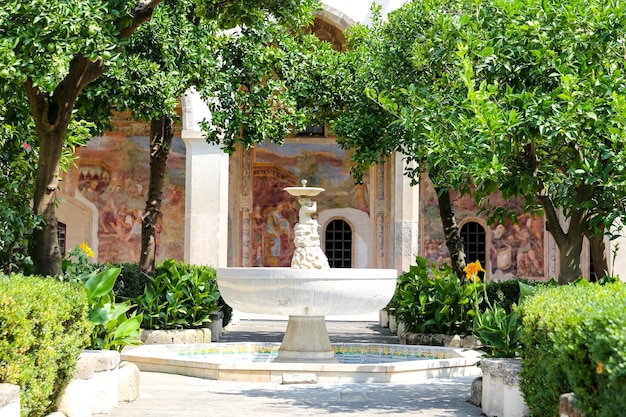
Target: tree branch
(553, 224)
(141, 13)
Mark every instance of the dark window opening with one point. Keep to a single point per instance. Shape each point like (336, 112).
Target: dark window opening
(339, 244)
(474, 243)
(314, 130)
(61, 233)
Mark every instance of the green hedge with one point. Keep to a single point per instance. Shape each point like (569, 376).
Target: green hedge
(575, 340)
(43, 329)
(131, 283)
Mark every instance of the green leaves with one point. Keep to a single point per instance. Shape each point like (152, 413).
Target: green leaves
(114, 329)
(434, 300)
(500, 333)
(574, 340)
(180, 296)
(268, 84)
(100, 284)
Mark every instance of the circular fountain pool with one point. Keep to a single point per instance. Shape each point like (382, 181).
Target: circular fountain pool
(352, 362)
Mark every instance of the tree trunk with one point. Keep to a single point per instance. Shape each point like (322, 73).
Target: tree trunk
(598, 256)
(451, 232)
(52, 114)
(570, 244)
(161, 135)
(569, 259)
(48, 255)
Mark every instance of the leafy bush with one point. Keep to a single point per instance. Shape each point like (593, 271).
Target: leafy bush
(43, 329)
(499, 332)
(180, 296)
(114, 328)
(498, 324)
(507, 293)
(435, 300)
(574, 340)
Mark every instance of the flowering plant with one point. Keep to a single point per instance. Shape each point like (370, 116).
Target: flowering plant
(472, 270)
(77, 262)
(500, 333)
(113, 328)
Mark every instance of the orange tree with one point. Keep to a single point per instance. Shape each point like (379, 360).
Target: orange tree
(52, 50)
(524, 97)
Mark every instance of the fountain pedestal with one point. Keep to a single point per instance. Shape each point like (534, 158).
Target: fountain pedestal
(306, 339)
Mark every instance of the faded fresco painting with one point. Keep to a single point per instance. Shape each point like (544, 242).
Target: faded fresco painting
(113, 173)
(516, 249)
(275, 212)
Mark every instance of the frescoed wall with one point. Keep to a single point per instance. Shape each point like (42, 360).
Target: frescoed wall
(515, 249)
(275, 212)
(113, 174)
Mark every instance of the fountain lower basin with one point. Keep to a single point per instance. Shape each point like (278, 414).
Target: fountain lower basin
(355, 362)
(307, 292)
(306, 296)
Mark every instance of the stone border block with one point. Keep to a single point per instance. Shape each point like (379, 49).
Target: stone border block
(9, 400)
(91, 361)
(176, 336)
(501, 396)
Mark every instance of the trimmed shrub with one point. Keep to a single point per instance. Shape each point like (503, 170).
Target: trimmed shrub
(131, 283)
(43, 329)
(574, 340)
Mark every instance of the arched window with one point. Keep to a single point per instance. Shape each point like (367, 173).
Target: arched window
(474, 242)
(338, 240)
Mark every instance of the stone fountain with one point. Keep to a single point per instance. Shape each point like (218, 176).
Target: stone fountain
(308, 291)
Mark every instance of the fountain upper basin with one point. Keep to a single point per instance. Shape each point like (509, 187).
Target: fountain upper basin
(307, 292)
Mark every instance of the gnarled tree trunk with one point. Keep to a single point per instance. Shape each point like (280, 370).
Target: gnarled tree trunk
(451, 232)
(570, 244)
(161, 135)
(597, 248)
(52, 114)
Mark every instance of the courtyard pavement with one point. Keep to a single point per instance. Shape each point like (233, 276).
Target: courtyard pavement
(165, 395)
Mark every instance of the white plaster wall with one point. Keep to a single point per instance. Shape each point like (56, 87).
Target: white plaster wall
(206, 203)
(616, 256)
(81, 217)
(359, 10)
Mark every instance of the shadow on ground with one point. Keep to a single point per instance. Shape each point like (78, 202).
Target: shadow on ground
(338, 332)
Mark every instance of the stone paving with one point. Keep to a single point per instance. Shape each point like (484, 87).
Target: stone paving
(164, 395)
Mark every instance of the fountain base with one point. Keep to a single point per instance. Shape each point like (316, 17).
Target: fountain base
(354, 362)
(306, 340)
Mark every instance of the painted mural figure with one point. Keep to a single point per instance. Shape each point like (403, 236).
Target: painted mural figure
(257, 225)
(278, 227)
(527, 256)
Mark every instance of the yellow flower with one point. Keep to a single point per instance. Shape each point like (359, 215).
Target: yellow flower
(86, 249)
(472, 270)
(599, 368)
